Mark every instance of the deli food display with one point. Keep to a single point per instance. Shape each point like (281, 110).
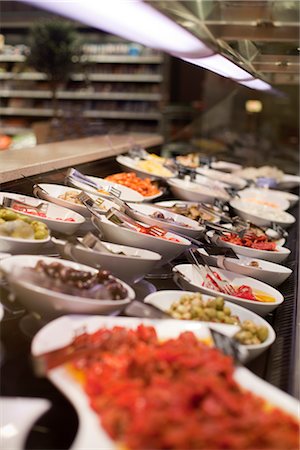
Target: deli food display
(207, 255)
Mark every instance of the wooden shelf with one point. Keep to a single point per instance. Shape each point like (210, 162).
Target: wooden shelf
(48, 112)
(81, 95)
(109, 77)
(99, 59)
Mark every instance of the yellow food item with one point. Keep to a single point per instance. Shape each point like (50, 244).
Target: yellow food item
(262, 296)
(154, 167)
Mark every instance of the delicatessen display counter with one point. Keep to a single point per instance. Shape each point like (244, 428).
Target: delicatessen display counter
(37, 321)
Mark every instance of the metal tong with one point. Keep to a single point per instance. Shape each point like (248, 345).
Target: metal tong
(223, 286)
(8, 202)
(74, 174)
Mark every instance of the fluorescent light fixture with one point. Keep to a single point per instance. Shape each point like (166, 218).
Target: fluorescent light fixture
(257, 84)
(222, 66)
(133, 20)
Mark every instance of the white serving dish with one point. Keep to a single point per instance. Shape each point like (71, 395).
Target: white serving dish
(129, 164)
(188, 190)
(292, 198)
(53, 212)
(189, 278)
(119, 235)
(261, 215)
(269, 272)
(61, 332)
(277, 256)
(50, 304)
(259, 196)
(171, 203)
(288, 182)
(131, 267)
(1, 312)
(233, 180)
(164, 299)
(54, 190)
(17, 416)
(142, 212)
(209, 182)
(18, 245)
(126, 194)
(226, 166)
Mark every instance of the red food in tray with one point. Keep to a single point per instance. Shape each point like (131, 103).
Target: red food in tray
(261, 242)
(175, 394)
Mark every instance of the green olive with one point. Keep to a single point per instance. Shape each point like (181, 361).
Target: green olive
(219, 302)
(262, 333)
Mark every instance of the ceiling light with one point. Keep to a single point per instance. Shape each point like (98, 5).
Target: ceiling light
(133, 20)
(222, 66)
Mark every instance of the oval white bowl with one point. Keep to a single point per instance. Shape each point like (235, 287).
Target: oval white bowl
(226, 166)
(232, 180)
(60, 332)
(126, 194)
(171, 203)
(53, 212)
(129, 164)
(277, 257)
(54, 190)
(50, 304)
(258, 196)
(142, 212)
(243, 209)
(189, 278)
(18, 414)
(270, 273)
(164, 299)
(19, 246)
(167, 249)
(289, 182)
(187, 190)
(291, 198)
(131, 267)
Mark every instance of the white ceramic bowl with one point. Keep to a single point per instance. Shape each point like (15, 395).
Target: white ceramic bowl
(277, 256)
(291, 198)
(129, 164)
(142, 212)
(233, 180)
(167, 249)
(171, 203)
(189, 278)
(50, 304)
(126, 194)
(53, 212)
(226, 166)
(61, 332)
(19, 246)
(289, 182)
(261, 215)
(18, 415)
(270, 273)
(164, 299)
(263, 196)
(130, 267)
(54, 190)
(187, 190)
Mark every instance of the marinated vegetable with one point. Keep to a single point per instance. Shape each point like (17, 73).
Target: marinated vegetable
(65, 279)
(131, 180)
(193, 307)
(13, 224)
(174, 394)
(194, 212)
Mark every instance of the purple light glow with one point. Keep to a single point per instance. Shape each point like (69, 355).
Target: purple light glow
(132, 20)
